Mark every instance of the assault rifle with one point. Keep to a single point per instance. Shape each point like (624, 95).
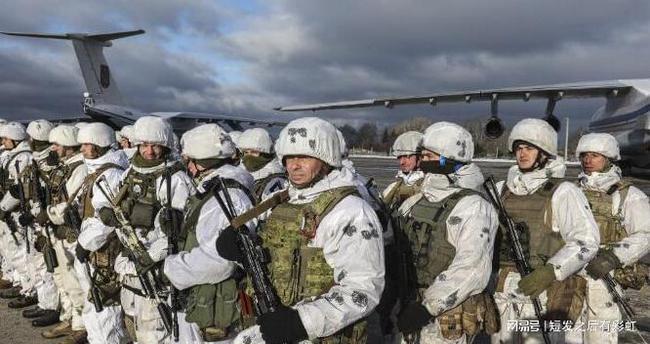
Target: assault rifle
(513, 229)
(172, 248)
(255, 256)
(42, 195)
(73, 219)
(145, 265)
(611, 285)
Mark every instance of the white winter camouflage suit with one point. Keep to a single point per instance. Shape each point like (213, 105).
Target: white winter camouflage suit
(149, 326)
(107, 326)
(572, 218)
(472, 237)
(202, 264)
(357, 261)
(70, 293)
(635, 218)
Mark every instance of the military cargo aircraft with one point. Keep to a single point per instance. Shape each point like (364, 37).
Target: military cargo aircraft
(103, 100)
(626, 113)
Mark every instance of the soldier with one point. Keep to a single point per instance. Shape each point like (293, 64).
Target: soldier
(622, 212)
(19, 156)
(327, 256)
(97, 243)
(560, 235)
(209, 290)
(258, 159)
(450, 229)
(34, 217)
(409, 177)
(142, 196)
(65, 180)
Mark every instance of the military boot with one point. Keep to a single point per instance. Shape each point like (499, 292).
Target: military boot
(75, 337)
(10, 293)
(60, 330)
(23, 301)
(50, 317)
(33, 313)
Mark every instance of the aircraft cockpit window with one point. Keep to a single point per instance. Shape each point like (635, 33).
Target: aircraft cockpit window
(104, 76)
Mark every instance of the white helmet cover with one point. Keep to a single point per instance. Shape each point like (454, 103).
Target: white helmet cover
(40, 129)
(407, 143)
(255, 139)
(154, 130)
(207, 141)
(449, 140)
(96, 133)
(14, 131)
(536, 132)
(310, 136)
(64, 135)
(127, 132)
(600, 143)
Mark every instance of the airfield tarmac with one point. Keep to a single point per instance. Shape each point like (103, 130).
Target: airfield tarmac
(15, 329)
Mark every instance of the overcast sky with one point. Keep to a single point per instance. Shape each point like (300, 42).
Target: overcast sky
(246, 57)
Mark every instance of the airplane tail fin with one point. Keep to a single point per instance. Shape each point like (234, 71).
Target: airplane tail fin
(90, 55)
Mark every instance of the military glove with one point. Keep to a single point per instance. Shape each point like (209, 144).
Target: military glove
(166, 220)
(227, 245)
(81, 253)
(282, 326)
(537, 281)
(107, 216)
(25, 219)
(413, 318)
(604, 262)
(40, 242)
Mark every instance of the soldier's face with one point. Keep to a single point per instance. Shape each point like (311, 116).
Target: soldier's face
(593, 162)
(251, 152)
(89, 151)
(428, 155)
(302, 170)
(526, 156)
(8, 143)
(407, 163)
(150, 151)
(124, 143)
(59, 150)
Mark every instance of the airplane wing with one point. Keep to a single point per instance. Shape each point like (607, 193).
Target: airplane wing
(119, 116)
(234, 122)
(551, 92)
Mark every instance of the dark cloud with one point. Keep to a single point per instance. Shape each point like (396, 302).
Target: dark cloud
(294, 51)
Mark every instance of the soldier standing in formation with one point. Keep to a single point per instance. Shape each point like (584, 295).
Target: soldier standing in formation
(145, 240)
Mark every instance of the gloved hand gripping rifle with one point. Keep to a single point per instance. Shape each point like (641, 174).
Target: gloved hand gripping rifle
(147, 275)
(255, 257)
(513, 229)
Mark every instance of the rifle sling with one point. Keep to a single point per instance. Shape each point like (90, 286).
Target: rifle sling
(260, 209)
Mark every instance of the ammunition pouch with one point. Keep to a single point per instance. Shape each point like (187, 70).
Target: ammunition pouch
(142, 215)
(632, 276)
(49, 255)
(565, 299)
(214, 308)
(40, 242)
(477, 313)
(104, 276)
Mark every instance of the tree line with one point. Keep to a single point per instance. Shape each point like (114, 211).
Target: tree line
(369, 137)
